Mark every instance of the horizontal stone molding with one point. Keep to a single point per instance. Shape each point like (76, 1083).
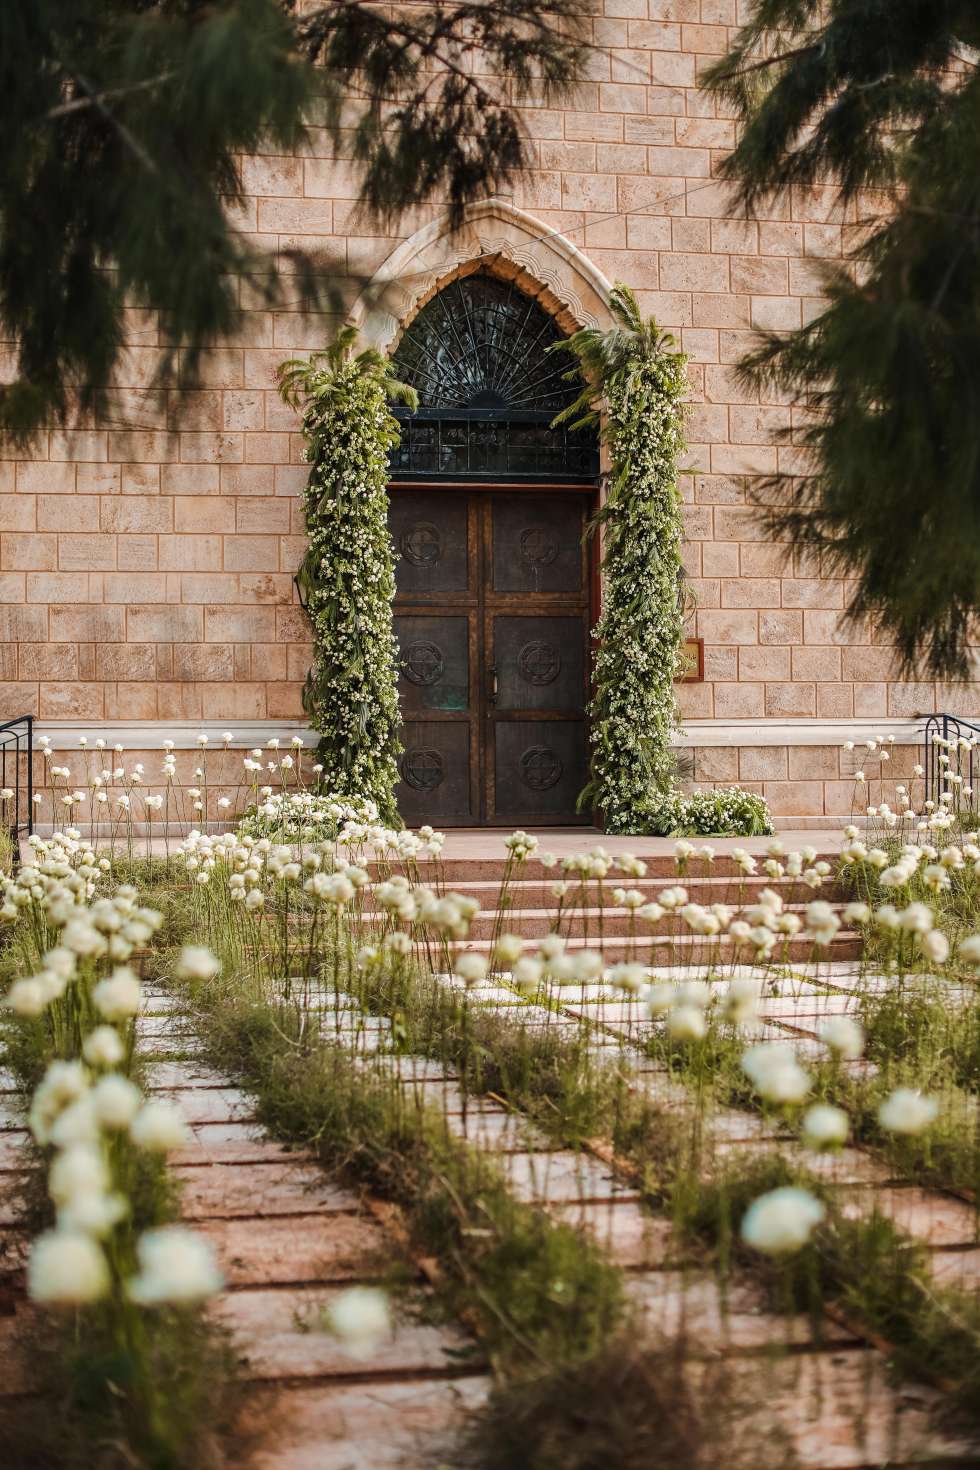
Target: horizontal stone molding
(146, 735)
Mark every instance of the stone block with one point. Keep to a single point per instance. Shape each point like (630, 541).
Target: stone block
(92, 624)
(791, 701)
(739, 701)
(168, 623)
(28, 551)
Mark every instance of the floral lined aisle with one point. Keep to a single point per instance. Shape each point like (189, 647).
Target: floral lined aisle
(772, 1056)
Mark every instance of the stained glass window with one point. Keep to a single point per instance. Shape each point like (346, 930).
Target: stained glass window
(488, 390)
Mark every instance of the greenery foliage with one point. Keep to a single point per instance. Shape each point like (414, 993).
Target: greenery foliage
(633, 370)
(348, 572)
(876, 95)
(724, 812)
(125, 122)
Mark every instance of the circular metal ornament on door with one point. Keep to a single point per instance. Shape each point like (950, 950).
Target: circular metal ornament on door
(540, 768)
(422, 769)
(422, 662)
(421, 544)
(539, 546)
(539, 662)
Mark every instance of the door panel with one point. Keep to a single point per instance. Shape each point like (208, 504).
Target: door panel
(492, 617)
(435, 771)
(539, 769)
(433, 663)
(430, 529)
(537, 543)
(539, 663)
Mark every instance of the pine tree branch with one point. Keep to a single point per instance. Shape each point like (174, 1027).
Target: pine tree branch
(126, 137)
(766, 61)
(79, 104)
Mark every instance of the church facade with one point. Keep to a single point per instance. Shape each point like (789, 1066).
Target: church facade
(147, 559)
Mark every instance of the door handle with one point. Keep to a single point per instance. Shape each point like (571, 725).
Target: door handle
(492, 684)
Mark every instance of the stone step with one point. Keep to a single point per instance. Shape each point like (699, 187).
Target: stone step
(659, 865)
(613, 922)
(688, 949)
(537, 893)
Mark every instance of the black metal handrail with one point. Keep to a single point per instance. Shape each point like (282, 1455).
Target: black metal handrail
(17, 777)
(948, 728)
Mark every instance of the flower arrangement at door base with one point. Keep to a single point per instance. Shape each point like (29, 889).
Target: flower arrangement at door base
(726, 812)
(348, 572)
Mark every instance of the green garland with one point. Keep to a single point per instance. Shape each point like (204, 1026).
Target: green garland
(633, 713)
(348, 571)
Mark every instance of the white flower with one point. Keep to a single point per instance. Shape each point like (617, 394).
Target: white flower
(158, 1127)
(742, 1000)
(26, 997)
(118, 997)
(824, 1126)
(907, 1111)
(857, 913)
(527, 973)
(781, 1220)
(360, 1319)
(508, 949)
(103, 1048)
(92, 1214)
(116, 1101)
(471, 967)
(197, 963)
(969, 949)
(66, 1269)
(628, 977)
(775, 1073)
(175, 1266)
(75, 1171)
(842, 1035)
(686, 1023)
(935, 946)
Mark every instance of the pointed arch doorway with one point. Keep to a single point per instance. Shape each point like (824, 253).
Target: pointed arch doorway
(495, 579)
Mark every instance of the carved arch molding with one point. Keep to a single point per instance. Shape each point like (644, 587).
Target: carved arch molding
(497, 238)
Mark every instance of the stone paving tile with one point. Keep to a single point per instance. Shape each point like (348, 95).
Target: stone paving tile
(561, 1177)
(938, 1219)
(629, 1234)
(259, 1189)
(715, 1317)
(297, 1249)
(959, 1268)
(845, 1167)
(233, 1143)
(12, 1144)
(842, 1411)
(210, 1104)
(166, 1075)
(375, 1426)
(284, 1336)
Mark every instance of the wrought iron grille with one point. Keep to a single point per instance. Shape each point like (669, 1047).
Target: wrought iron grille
(947, 727)
(477, 354)
(17, 777)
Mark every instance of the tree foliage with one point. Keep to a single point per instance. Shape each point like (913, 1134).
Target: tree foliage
(348, 572)
(881, 99)
(124, 122)
(638, 380)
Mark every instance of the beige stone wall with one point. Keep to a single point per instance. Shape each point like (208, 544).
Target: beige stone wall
(146, 562)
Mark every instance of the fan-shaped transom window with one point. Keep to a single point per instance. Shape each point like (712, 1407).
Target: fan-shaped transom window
(488, 388)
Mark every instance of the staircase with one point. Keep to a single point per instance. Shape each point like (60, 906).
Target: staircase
(531, 909)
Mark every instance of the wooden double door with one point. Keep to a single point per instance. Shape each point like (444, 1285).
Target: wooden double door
(492, 617)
